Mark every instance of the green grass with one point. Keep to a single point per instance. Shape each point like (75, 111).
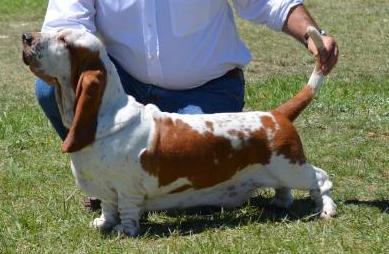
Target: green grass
(22, 10)
(345, 131)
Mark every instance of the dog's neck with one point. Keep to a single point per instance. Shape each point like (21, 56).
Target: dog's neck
(117, 109)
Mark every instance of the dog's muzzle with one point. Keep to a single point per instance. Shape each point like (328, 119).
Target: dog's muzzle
(27, 39)
(28, 53)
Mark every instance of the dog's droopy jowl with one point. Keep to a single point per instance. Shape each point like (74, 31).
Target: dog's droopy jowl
(136, 158)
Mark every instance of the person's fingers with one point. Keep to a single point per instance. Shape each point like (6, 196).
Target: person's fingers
(329, 59)
(327, 56)
(330, 64)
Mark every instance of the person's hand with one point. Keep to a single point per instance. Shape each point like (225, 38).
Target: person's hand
(328, 56)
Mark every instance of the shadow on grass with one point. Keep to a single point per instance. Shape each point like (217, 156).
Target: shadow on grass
(383, 205)
(196, 220)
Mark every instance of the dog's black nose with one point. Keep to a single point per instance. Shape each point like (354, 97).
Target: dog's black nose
(27, 38)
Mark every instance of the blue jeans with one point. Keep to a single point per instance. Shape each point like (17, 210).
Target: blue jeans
(224, 94)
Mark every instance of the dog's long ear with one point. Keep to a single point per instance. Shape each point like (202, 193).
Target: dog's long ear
(89, 84)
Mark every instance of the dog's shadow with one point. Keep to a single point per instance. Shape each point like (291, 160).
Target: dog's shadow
(196, 220)
(257, 210)
(383, 205)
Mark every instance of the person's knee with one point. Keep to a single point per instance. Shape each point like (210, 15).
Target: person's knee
(45, 94)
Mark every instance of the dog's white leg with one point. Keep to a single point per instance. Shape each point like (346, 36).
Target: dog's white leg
(320, 193)
(129, 212)
(283, 198)
(305, 177)
(109, 216)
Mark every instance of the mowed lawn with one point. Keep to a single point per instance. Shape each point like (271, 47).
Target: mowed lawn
(345, 131)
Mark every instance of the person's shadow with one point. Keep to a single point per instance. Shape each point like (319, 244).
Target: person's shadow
(196, 220)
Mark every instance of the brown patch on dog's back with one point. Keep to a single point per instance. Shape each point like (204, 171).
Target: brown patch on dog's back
(286, 140)
(268, 123)
(179, 151)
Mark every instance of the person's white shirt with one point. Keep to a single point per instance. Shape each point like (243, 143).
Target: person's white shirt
(175, 44)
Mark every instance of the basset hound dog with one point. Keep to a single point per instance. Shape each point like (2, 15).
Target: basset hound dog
(136, 158)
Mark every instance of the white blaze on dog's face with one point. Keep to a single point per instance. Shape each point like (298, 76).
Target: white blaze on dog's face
(47, 55)
(71, 61)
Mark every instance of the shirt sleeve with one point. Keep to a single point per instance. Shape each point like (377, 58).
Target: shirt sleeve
(76, 14)
(272, 13)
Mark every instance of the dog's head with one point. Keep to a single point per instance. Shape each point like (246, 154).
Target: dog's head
(71, 61)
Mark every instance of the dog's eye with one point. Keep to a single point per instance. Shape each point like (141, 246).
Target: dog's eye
(62, 39)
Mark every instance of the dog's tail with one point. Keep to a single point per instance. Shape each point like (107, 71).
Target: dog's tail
(292, 108)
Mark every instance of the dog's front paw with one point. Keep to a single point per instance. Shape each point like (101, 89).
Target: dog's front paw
(103, 224)
(329, 208)
(126, 230)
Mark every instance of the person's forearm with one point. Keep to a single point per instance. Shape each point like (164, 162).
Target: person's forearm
(297, 22)
(296, 25)
(73, 14)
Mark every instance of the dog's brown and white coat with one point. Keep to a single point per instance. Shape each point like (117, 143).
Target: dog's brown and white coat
(136, 158)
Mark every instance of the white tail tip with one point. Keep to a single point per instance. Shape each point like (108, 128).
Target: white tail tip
(317, 77)
(315, 81)
(316, 37)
